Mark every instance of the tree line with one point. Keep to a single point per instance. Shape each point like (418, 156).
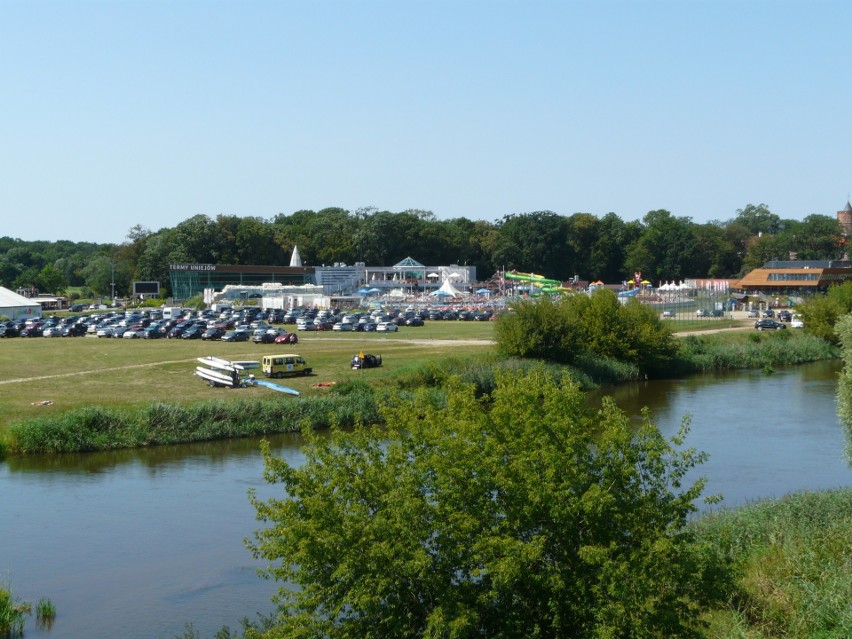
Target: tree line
(662, 246)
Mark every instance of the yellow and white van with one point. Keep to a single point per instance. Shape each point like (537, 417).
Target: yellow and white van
(288, 364)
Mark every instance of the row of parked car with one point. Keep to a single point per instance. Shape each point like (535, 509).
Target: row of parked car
(230, 325)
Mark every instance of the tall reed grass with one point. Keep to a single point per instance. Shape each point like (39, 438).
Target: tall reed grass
(732, 351)
(93, 428)
(793, 558)
(12, 615)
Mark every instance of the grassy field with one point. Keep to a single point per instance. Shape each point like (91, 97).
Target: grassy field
(71, 372)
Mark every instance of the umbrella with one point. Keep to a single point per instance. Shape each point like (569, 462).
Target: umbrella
(374, 290)
(442, 294)
(482, 291)
(363, 291)
(433, 275)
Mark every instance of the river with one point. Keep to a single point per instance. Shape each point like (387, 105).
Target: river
(135, 544)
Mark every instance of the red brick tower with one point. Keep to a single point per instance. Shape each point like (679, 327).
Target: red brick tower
(845, 219)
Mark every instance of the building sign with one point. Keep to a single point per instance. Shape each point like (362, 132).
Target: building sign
(192, 267)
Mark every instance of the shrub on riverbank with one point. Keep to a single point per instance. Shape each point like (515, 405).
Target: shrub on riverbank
(792, 558)
(481, 372)
(98, 428)
(582, 327)
(738, 351)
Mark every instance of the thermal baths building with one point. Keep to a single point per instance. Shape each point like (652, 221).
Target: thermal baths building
(297, 281)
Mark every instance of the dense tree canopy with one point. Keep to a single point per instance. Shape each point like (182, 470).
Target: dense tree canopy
(662, 246)
(524, 516)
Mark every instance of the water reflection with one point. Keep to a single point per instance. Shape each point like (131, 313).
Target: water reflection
(767, 435)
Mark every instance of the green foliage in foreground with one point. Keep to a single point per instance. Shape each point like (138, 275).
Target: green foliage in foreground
(97, 428)
(822, 312)
(525, 515)
(11, 615)
(14, 612)
(844, 385)
(581, 327)
(793, 560)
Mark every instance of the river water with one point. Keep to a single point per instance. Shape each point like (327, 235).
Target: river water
(136, 544)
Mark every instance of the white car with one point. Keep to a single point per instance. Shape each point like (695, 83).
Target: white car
(305, 324)
(797, 322)
(387, 327)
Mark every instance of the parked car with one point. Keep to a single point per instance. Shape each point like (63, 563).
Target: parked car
(344, 326)
(702, 312)
(194, 332)
(237, 335)
(9, 330)
(768, 313)
(154, 331)
(216, 332)
(305, 324)
(52, 331)
(797, 322)
(769, 325)
(286, 338)
(74, 330)
(414, 321)
(265, 336)
(784, 315)
(386, 327)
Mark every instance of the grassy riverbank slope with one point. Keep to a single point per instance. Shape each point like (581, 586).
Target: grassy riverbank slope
(88, 394)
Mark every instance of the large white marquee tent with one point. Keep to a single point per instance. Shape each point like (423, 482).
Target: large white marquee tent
(16, 306)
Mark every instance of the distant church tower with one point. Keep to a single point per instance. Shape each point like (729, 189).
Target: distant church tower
(296, 259)
(845, 219)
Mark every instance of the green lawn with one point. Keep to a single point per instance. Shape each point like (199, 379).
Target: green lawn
(71, 372)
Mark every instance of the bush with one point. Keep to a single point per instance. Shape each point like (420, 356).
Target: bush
(522, 515)
(577, 327)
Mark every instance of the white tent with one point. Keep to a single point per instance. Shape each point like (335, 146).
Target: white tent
(16, 306)
(447, 289)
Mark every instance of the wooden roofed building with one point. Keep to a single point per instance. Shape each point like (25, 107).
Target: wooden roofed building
(795, 276)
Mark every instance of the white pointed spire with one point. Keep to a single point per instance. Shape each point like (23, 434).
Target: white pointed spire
(296, 259)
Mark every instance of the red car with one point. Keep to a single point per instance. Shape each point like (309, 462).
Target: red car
(287, 338)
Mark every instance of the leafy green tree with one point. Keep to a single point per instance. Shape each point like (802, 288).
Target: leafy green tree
(534, 242)
(52, 280)
(759, 220)
(822, 312)
(607, 255)
(530, 516)
(817, 237)
(667, 249)
(542, 329)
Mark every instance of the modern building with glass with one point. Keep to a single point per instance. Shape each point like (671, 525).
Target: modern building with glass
(406, 277)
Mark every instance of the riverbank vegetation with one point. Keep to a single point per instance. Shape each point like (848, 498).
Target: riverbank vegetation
(583, 331)
(792, 564)
(13, 613)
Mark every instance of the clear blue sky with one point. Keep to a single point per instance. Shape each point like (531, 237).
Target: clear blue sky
(124, 112)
